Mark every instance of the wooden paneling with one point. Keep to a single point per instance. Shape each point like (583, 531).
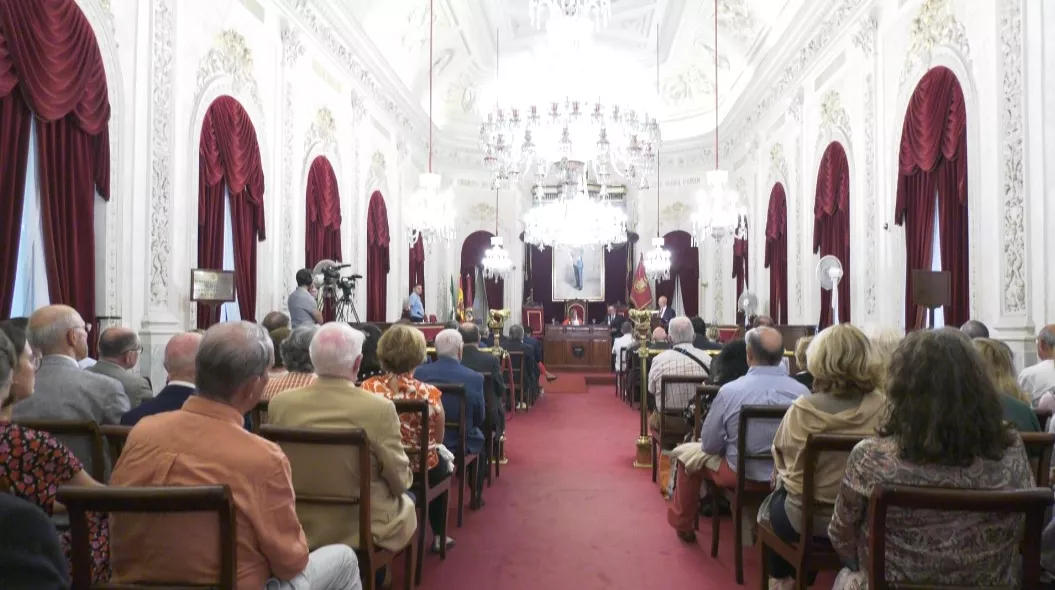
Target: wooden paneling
(582, 348)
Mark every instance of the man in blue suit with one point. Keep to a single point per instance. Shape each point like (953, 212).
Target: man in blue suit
(448, 368)
(180, 353)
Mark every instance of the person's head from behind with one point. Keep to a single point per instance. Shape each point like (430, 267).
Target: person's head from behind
(680, 331)
(712, 333)
(373, 335)
(765, 347)
(17, 367)
(278, 336)
(181, 356)
(401, 349)
(659, 334)
(974, 329)
(885, 339)
(699, 326)
(470, 334)
(801, 345)
(120, 345)
(336, 350)
(450, 325)
(275, 320)
(842, 361)
(626, 328)
(1046, 342)
(943, 407)
(232, 364)
(762, 320)
(304, 278)
(731, 362)
(516, 333)
(296, 349)
(449, 344)
(999, 365)
(58, 329)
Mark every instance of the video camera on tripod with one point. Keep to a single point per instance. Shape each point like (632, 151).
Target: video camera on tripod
(328, 278)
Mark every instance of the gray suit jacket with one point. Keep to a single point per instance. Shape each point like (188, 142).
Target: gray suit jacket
(136, 388)
(64, 391)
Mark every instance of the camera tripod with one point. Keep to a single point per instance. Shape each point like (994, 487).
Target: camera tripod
(344, 308)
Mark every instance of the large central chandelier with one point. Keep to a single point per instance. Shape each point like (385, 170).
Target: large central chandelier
(573, 217)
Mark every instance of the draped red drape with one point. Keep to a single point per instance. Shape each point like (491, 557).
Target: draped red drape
(684, 264)
(777, 253)
(322, 238)
(932, 166)
(417, 267)
(229, 160)
(740, 251)
(377, 261)
(473, 249)
(50, 64)
(831, 225)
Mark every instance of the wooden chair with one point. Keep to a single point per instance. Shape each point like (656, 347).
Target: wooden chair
(371, 558)
(747, 493)
(663, 440)
(1044, 417)
(67, 431)
(258, 416)
(520, 394)
(424, 494)
(705, 395)
(115, 437)
(811, 553)
(495, 444)
(79, 501)
(1038, 448)
(465, 463)
(1032, 504)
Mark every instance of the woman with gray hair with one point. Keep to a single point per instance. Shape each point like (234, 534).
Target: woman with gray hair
(294, 351)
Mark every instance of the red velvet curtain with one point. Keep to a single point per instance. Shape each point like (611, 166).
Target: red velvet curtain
(473, 249)
(229, 158)
(831, 225)
(932, 166)
(684, 264)
(50, 64)
(417, 266)
(740, 273)
(777, 253)
(377, 260)
(322, 238)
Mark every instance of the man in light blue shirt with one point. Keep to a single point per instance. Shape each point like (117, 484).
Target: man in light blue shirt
(417, 308)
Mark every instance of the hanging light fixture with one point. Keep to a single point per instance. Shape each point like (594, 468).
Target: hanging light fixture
(718, 208)
(430, 214)
(497, 264)
(657, 260)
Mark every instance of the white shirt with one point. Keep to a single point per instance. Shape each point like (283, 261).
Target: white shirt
(84, 363)
(618, 346)
(1038, 379)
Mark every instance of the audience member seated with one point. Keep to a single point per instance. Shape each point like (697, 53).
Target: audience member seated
(759, 321)
(701, 341)
(943, 429)
(885, 339)
(658, 341)
(1040, 378)
(536, 345)
(370, 366)
(487, 339)
(1000, 368)
(26, 364)
(204, 443)
(448, 368)
(682, 360)
(297, 358)
(63, 391)
(400, 350)
(275, 320)
(30, 555)
(180, 354)
(801, 359)
(119, 350)
(450, 325)
(622, 343)
(766, 384)
(278, 368)
(484, 362)
(974, 329)
(730, 363)
(845, 400)
(515, 343)
(334, 401)
(35, 464)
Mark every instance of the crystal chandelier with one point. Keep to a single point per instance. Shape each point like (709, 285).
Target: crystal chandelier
(718, 208)
(573, 217)
(496, 262)
(430, 212)
(657, 261)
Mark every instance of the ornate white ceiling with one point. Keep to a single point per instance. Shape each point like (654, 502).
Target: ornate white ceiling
(465, 49)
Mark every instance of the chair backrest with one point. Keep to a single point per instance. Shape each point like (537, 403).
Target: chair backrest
(79, 501)
(666, 381)
(704, 397)
(1031, 503)
(456, 390)
(86, 430)
(747, 415)
(116, 436)
(1044, 417)
(516, 361)
(258, 416)
(355, 438)
(421, 408)
(489, 392)
(817, 445)
(1039, 446)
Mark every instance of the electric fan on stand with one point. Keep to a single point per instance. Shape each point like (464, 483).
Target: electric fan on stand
(829, 273)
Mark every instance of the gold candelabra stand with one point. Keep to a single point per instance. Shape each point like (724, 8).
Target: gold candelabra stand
(642, 319)
(496, 322)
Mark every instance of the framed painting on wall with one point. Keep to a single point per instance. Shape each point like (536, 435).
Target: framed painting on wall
(578, 273)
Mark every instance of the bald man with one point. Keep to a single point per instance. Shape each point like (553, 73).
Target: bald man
(179, 362)
(119, 350)
(1040, 378)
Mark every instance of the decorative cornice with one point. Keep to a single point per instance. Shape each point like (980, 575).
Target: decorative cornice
(161, 115)
(833, 117)
(1012, 113)
(935, 24)
(232, 57)
(865, 37)
(292, 48)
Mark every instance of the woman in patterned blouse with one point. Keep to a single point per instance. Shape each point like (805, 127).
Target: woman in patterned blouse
(401, 349)
(944, 429)
(33, 464)
(293, 350)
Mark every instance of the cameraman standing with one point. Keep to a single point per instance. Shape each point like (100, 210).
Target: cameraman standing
(303, 311)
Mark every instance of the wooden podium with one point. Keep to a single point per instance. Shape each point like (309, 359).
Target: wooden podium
(578, 348)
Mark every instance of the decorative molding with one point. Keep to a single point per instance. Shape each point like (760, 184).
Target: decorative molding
(292, 51)
(800, 223)
(833, 118)
(935, 24)
(482, 216)
(232, 57)
(358, 107)
(322, 130)
(377, 176)
(292, 48)
(795, 108)
(719, 284)
(162, 90)
(778, 166)
(865, 37)
(1011, 114)
(870, 195)
(674, 216)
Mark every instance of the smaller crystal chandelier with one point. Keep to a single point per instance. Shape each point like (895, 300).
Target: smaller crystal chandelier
(496, 262)
(657, 261)
(430, 212)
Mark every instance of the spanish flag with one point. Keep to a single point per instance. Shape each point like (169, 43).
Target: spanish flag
(641, 290)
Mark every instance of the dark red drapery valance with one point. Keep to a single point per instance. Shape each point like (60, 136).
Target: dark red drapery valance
(229, 162)
(684, 265)
(377, 260)
(323, 201)
(740, 272)
(831, 225)
(932, 168)
(777, 253)
(473, 249)
(50, 66)
(417, 266)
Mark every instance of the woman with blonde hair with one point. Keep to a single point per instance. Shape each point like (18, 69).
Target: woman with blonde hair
(999, 366)
(885, 340)
(845, 400)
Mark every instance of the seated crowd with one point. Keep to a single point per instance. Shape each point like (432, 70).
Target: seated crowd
(197, 431)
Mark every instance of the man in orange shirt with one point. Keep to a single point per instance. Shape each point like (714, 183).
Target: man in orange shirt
(204, 443)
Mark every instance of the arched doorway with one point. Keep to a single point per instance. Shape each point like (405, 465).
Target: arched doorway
(684, 273)
(470, 272)
(777, 253)
(831, 225)
(322, 235)
(377, 259)
(932, 192)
